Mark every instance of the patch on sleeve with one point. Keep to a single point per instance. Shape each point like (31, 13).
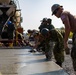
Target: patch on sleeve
(63, 17)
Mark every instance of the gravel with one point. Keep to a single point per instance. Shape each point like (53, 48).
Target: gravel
(67, 65)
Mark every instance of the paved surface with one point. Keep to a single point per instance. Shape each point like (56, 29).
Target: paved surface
(22, 62)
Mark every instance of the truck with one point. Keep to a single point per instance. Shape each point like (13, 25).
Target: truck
(10, 22)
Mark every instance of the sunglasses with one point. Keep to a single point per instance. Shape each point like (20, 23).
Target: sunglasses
(55, 11)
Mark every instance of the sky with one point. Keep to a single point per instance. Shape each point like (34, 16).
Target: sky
(33, 11)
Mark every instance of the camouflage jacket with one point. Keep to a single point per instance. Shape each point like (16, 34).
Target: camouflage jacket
(56, 37)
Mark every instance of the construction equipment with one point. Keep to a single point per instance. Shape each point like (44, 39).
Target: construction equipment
(10, 11)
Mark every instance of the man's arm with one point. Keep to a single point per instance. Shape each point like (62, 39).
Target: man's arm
(67, 31)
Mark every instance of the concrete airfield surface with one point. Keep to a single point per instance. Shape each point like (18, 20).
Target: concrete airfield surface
(22, 62)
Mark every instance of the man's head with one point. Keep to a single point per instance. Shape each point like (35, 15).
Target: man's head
(35, 34)
(55, 8)
(44, 20)
(49, 21)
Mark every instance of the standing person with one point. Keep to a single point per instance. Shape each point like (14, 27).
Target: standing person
(43, 24)
(46, 23)
(49, 24)
(10, 29)
(69, 22)
(58, 48)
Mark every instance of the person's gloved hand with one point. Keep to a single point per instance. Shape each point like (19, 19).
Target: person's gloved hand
(67, 51)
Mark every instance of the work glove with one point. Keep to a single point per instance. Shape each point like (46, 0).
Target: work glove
(67, 51)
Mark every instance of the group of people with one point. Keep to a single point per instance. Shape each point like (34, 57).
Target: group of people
(51, 40)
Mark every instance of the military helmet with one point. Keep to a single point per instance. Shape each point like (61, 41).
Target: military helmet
(54, 7)
(35, 33)
(44, 31)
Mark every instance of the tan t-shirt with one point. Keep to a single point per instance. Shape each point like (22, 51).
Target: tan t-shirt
(71, 18)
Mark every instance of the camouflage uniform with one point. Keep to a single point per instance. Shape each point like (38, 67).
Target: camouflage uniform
(47, 48)
(73, 51)
(58, 49)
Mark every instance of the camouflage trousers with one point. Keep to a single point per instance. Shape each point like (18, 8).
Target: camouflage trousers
(73, 51)
(57, 50)
(58, 53)
(48, 50)
(48, 55)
